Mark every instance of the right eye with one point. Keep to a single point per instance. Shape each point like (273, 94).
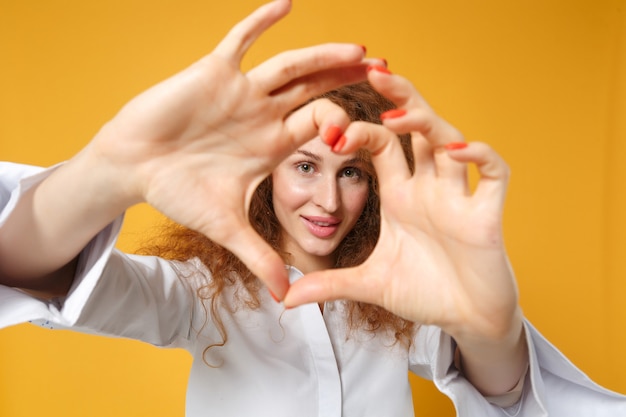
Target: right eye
(304, 167)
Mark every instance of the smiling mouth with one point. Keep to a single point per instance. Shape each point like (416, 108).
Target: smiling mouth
(322, 223)
(321, 228)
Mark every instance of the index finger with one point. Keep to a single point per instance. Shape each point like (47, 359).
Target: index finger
(384, 146)
(421, 117)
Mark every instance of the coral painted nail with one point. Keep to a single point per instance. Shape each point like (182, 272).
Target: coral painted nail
(455, 145)
(378, 68)
(332, 135)
(392, 114)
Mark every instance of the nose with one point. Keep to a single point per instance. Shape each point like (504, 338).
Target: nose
(327, 194)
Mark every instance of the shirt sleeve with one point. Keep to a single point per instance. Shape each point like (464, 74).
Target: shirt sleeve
(115, 294)
(553, 385)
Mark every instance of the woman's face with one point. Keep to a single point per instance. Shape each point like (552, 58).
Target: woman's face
(318, 197)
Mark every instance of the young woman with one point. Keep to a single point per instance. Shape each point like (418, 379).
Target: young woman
(414, 260)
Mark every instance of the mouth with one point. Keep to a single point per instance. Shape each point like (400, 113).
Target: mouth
(321, 227)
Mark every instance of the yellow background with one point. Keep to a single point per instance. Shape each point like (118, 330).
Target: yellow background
(542, 81)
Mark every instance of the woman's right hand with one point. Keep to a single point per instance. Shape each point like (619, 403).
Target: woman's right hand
(197, 145)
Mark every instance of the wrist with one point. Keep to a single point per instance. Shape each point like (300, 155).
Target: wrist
(494, 364)
(112, 175)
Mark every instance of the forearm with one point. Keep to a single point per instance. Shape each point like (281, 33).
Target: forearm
(53, 221)
(495, 364)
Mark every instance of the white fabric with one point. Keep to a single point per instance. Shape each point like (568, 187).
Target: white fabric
(278, 363)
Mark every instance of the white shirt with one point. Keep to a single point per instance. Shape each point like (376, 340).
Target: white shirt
(298, 362)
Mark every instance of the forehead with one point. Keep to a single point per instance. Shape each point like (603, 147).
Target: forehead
(317, 149)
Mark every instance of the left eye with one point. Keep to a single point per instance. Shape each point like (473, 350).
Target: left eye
(351, 173)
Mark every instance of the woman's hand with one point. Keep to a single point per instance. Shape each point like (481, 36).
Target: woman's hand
(440, 258)
(197, 145)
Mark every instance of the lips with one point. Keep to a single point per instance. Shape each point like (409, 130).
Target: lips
(321, 227)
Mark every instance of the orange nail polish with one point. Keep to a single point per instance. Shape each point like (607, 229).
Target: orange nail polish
(332, 135)
(340, 144)
(392, 114)
(364, 49)
(378, 68)
(455, 145)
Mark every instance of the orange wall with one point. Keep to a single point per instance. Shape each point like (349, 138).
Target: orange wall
(543, 82)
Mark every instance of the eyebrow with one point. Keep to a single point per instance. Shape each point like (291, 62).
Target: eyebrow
(318, 158)
(309, 154)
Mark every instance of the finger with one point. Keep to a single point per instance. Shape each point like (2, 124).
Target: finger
(331, 285)
(385, 148)
(424, 163)
(453, 173)
(419, 115)
(318, 118)
(429, 157)
(430, 132)
(289, 66)
(243, 34)
(302, 89)
(494, 171)
(259, 257)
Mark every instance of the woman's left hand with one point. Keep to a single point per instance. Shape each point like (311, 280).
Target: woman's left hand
(440, 258)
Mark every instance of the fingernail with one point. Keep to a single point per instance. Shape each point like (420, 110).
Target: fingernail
(332, 135)
(384, 61)
(340, 144)
(378, 68)
(274, 296)
(364, 49)
(455, 145)
(392, 114)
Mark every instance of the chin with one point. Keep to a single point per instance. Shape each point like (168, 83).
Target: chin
(318, 253)
(316, 250)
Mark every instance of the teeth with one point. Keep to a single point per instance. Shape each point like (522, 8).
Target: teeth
(321, 223)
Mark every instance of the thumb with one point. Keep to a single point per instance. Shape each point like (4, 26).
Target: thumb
(332, 284)
(245, 33)
(260, 258)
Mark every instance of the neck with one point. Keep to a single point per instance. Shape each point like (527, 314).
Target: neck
(308, 263)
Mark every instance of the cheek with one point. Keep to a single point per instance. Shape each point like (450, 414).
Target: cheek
(286, 194)
(287, 199)
(355, 200)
